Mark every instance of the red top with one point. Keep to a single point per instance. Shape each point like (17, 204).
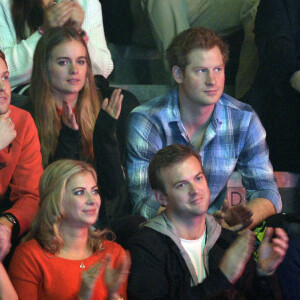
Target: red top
(37, 274)
(21, 169)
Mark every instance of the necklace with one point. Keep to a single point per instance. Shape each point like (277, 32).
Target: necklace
(82, 266)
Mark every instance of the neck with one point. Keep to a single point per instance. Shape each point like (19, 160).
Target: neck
(188, 228)
(75, 242)
(70, 98)
(194, 116)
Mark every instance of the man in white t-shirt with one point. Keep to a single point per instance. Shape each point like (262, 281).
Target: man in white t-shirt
(184, 253)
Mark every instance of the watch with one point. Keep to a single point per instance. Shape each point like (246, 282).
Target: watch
(12, 219)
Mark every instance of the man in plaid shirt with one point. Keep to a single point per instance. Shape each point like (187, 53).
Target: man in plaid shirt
(227, 133)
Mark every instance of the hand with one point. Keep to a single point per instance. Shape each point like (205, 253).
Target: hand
(5, 236)
(68, 117)
(237, 255)
(114, 278)
(234, 218)
(271, 251)
(77, 17)
(7, 130)
(58, 15)
(114, 105)
(295, 81)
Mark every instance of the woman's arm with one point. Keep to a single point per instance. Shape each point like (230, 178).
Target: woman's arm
(93, 25)
(7, 290)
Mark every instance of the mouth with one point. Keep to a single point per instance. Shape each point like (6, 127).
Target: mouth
(197, 200)
(211, 92)
(3, 99)
(90, 212)
(73, 80)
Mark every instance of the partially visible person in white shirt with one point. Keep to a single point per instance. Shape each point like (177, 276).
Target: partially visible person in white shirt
(22, 24)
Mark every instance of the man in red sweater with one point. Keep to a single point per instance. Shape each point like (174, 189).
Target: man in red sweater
(20, 166)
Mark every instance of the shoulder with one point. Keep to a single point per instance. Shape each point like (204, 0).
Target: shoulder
(231, 103)
(112, 247)
(29, 248)
(20, 117)
(148, 238)
(229, 109)
(153, 107)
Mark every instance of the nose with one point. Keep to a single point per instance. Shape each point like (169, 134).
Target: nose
(192, 189)
(210, 78)
(91, 199)
(73, 69)
(2, 86)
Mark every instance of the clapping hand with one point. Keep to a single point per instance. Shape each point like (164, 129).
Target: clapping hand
(68, 117)
(58, 15)
(234, 218)
(114, 105)
(114, 278)
(272, 250)
(77, 16)
(237, 255)
(7, 130)
(5, 236)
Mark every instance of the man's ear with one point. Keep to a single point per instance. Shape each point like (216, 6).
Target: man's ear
(177, 74)
(161, 197)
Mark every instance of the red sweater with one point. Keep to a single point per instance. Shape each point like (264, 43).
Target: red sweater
(21, 169)
(37, 274)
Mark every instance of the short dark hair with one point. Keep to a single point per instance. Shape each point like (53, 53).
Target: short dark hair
(190, 39)
(166, 157)
(2, 55)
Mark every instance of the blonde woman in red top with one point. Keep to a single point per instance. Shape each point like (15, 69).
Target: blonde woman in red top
(56, 258)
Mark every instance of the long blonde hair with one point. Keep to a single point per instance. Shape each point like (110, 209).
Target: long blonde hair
(45, 113)
(46, 224)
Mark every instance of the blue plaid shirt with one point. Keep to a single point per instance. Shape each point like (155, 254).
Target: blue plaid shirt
(234, 140)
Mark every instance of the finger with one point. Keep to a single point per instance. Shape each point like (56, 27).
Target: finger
(67, 109)
(280, 233)
(104, 104)
(114, 98)
(237, 227)
(225, 206)
(126, 263)
(119, 107)
(277, 242)
(218, 214)
(241, 226)
(63, 19)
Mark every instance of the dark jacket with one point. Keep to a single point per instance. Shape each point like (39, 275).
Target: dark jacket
(161, 268)
(277, 36)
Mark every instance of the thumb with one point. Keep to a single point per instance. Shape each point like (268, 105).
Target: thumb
(6, 115)
(225, 206)
(268, 234)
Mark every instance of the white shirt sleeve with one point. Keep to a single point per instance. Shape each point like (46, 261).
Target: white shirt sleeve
(93, 25)
(19, 55)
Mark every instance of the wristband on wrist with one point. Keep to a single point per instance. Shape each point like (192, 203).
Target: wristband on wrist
(83, 34)
(16, 226)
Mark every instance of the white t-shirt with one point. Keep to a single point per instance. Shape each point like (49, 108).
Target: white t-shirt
(194, 249)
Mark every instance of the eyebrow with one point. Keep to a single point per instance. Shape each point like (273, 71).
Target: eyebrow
(66, 57)
(180, 181)
(81, 187)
